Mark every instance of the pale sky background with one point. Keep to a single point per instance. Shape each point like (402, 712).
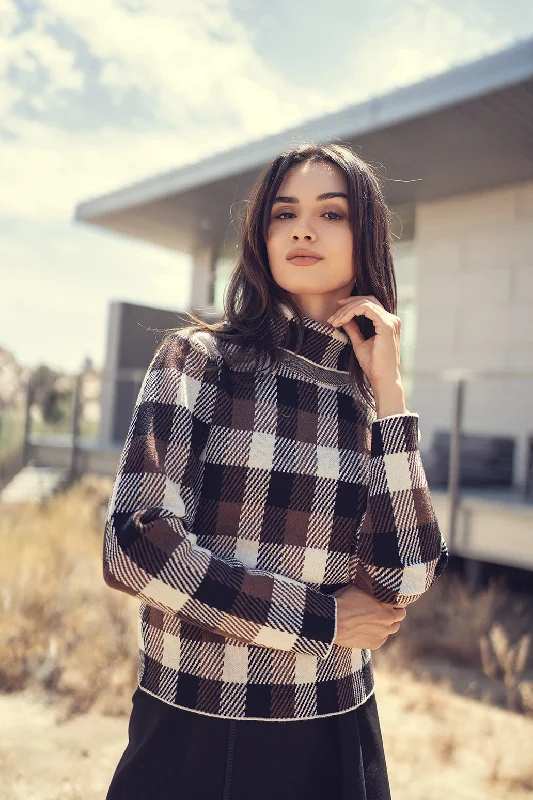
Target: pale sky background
(95, 95)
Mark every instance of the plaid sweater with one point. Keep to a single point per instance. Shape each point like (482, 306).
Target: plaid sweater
(237, 511)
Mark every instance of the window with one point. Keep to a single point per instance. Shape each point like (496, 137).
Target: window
(225, 260)
(405, 265)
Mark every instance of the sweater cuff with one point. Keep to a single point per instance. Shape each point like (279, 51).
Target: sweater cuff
(396, 433)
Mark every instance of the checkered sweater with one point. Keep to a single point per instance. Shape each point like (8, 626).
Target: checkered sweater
(238, 510)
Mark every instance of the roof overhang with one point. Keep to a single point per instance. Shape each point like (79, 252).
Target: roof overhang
(466, 130)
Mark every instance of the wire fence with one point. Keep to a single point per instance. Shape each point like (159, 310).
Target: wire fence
(77, 411)
(42, 405)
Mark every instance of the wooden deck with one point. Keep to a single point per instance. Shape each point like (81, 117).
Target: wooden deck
(493, 525)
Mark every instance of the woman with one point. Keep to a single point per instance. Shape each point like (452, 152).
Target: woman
(270, 508)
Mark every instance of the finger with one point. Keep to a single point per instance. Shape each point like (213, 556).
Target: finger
(395, 613)
(346, 311)
(372, 297)
(348, 302)
(353, 302)
(366, 308)
(396, 627)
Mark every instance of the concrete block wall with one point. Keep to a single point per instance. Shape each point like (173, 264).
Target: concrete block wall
(202, 276)
(475, 310)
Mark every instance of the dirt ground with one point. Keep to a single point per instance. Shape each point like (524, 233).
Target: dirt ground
(439, 745)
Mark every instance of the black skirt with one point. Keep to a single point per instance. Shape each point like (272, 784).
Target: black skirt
(175, 754)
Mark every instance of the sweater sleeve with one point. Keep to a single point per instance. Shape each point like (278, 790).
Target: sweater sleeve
(150, 551)
(399, 549)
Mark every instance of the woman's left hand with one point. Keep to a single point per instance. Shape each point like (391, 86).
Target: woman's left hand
(378, 356)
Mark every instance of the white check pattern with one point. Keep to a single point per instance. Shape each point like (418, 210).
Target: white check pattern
(237, 511)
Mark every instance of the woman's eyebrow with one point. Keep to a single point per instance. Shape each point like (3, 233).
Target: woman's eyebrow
(325, 196)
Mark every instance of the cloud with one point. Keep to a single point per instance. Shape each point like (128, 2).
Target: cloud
(206, 88)
(203, 87)
(96, 95)
(46, 171)
(423, 38)
(33, 66)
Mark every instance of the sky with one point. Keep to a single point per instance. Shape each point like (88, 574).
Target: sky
(97, 95)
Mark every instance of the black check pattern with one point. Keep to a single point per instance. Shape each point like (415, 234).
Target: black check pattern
(238, 509)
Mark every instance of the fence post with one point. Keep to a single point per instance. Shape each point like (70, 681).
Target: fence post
(454, 467)
(459, 378)
(27, 421)
(73, 472)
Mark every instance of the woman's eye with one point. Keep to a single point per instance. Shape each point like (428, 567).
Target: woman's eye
(335, 214)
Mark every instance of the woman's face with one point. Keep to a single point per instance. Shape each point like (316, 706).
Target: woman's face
(301, 220)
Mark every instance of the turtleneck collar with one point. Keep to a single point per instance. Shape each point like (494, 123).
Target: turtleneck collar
(323, 344)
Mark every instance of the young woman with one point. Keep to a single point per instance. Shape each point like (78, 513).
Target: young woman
(270, 508)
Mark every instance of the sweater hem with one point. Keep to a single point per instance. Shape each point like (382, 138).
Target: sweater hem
(257, 719)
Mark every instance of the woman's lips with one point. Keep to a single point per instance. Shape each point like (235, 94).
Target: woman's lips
(304, 261)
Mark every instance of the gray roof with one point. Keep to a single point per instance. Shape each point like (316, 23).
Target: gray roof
(466, 130)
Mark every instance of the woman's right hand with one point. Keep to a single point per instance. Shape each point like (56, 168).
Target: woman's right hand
(364, 622)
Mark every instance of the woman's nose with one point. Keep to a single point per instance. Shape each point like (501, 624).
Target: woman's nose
(302, 232)
(306, 236)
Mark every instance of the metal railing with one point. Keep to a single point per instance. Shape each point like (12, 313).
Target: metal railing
(76, 429)
(461, 381)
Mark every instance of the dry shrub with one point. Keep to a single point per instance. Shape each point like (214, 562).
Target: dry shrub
(448, 621)
(495, 774)
(509, 783)
(525, 691)
(61, 627)
(487, 632)
(446, 745)
(503, 660)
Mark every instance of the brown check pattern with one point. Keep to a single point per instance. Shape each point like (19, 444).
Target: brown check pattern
(238, 509)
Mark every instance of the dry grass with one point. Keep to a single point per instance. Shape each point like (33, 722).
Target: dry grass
(61, 628)
(479, 645)
(440, 745)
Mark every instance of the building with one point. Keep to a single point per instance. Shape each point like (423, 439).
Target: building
(458, 153)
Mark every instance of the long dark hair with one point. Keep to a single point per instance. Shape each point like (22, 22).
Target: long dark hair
(252, 296)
